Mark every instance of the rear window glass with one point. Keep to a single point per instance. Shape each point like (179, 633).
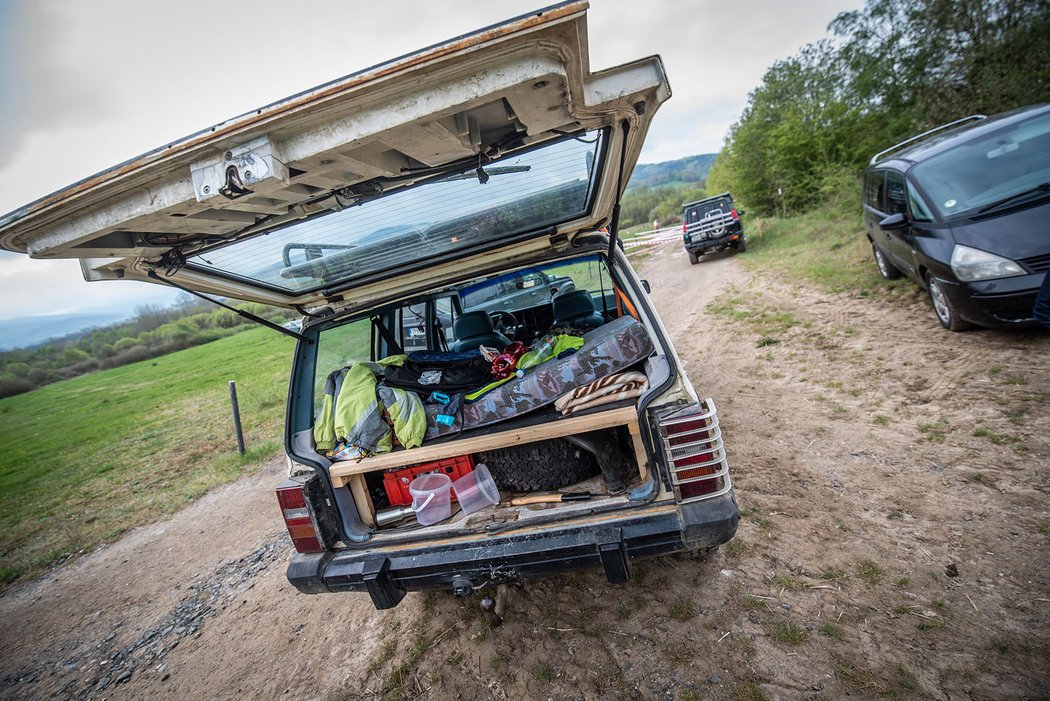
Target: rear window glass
(698, 212)
(523, 192)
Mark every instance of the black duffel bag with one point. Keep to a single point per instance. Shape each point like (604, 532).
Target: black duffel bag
(429, 371)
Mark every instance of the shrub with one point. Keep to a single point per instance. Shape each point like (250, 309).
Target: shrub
(125, 344)
(133, 355)
(17, 369)
(11, 385)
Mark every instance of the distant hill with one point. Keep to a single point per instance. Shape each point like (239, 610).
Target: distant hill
(688, 171)
(27, 331)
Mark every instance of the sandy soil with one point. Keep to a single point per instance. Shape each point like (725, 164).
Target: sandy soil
(893, 481)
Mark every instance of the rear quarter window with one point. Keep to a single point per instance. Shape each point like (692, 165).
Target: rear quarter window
(873, 183)
(338, 347)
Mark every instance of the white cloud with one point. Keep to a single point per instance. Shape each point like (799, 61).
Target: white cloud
(31, 287)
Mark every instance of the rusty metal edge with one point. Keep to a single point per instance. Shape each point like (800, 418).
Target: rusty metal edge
(244, 122)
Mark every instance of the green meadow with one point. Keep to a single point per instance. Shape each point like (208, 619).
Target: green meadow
(85, 459)
(825, 247)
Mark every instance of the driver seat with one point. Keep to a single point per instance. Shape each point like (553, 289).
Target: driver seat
(474, 329)
(576, 309)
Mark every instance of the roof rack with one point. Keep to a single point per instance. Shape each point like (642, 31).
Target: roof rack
(712, 197)
(949, 125)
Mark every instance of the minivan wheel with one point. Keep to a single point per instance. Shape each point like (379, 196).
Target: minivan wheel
(887, 269)
(693, 258)
(942, 306)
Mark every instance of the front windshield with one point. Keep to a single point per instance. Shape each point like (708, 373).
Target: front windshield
(988, 169)
(539, 285)
(527, 191)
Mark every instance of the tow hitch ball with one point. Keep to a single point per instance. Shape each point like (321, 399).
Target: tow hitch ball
(494, 609)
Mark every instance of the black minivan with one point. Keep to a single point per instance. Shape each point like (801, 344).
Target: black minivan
(964, 210)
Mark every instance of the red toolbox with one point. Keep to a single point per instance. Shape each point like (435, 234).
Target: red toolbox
(396, 481)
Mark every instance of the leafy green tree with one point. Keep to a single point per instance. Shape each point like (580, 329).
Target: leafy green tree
(892, 69)
(17, 369)
(72, 356)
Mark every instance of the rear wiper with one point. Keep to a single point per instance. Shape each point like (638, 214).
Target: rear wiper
(1041, 187)
(491, 170)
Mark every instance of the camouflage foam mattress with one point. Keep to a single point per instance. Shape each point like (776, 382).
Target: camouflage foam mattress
(607, 349)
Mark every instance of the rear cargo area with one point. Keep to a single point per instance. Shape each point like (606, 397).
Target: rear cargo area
(506, 397)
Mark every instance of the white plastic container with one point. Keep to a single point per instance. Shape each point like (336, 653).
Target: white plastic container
(476, 490)
(431, 497)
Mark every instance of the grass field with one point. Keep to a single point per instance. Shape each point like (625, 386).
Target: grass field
(86, 459)
(825, 247)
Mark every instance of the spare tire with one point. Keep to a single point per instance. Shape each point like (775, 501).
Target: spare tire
(540, 466)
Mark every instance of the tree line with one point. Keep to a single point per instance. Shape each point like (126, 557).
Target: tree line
(154, 331)
(886, 72)
(659, 203)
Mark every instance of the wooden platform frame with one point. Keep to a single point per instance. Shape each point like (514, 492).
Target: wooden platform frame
(351, 473)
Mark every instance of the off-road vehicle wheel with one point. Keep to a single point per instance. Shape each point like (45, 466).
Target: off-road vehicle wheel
(540, 466)
(694, 258)
(741, 245)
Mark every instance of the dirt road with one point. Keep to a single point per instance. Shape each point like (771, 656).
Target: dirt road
(893, 480)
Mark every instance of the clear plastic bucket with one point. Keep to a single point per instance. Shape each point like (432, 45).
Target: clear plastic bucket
(476, 490)
(431, 497)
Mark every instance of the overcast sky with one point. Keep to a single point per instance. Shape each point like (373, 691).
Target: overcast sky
(86, 85)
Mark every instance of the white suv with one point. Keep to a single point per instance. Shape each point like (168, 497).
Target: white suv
(375, 205)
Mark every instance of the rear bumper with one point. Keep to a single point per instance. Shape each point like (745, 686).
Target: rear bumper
(702, 246)
(605, 540)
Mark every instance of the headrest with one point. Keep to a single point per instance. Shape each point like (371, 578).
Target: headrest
(472, 324)
(573, 304)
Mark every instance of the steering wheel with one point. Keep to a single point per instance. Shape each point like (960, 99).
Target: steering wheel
(505, 323)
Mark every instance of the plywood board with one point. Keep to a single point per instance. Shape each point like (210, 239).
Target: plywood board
(625, 416)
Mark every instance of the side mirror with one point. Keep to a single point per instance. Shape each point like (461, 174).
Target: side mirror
(894, 221)
(645, 286)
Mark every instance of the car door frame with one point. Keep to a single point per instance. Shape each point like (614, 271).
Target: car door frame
(900, 241)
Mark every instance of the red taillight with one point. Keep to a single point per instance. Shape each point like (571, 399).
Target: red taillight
(685, 227)
(297, 518)
(732, 213)
(691, 490)
(695, 454)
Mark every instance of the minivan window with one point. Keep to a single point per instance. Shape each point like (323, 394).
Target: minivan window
(873, 189)
(919, 211)
(988, 168)
(896, 196)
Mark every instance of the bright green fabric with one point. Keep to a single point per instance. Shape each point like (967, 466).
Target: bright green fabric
(324, 426)
(407, 414)
(352, 411)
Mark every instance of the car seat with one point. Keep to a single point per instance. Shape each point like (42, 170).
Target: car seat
(473, 329)
(576, 309)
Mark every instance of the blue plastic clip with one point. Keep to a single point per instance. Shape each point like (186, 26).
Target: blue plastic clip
(440, 397)
(445, 419)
